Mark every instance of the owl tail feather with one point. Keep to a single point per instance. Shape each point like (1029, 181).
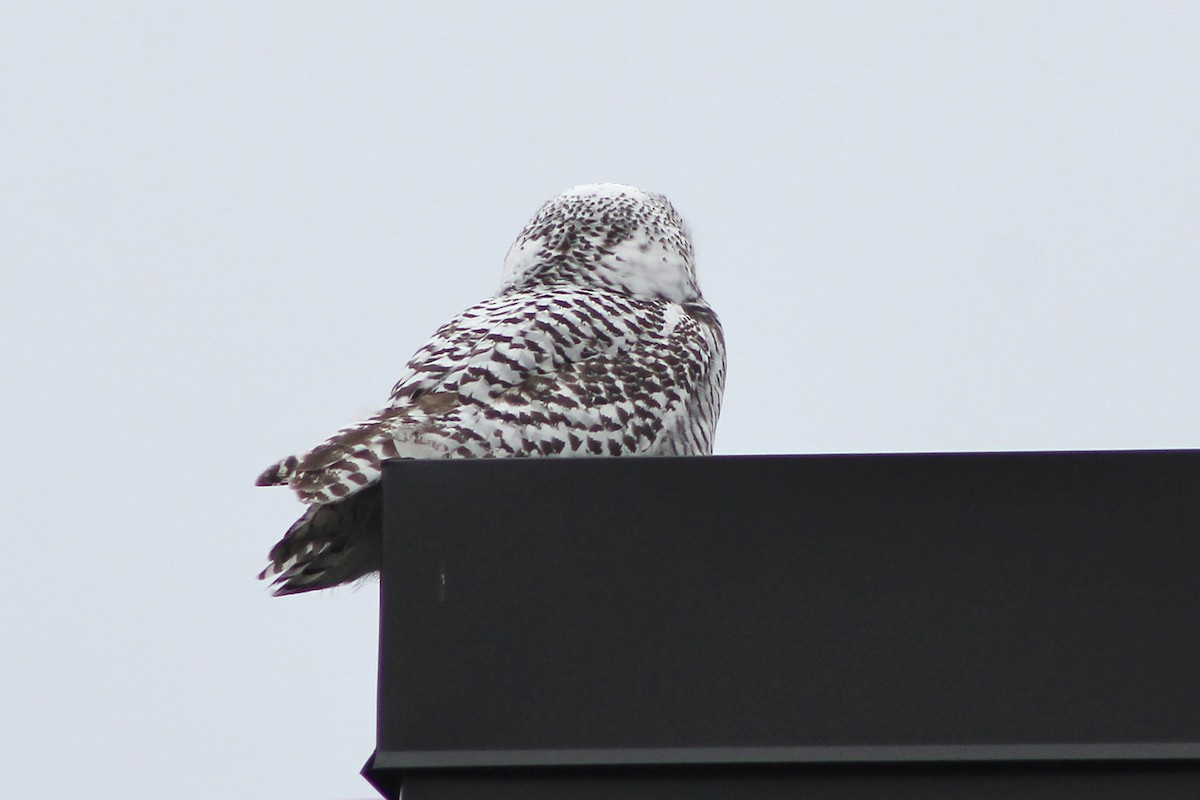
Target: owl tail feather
(330, 545)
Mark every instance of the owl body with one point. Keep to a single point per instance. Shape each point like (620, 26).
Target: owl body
(597, 344)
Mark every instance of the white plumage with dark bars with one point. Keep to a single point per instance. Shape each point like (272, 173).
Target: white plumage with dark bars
(598, 343)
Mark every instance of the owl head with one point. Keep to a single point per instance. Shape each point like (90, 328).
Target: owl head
(609, 235)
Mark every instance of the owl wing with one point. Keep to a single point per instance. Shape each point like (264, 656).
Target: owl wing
(537, 375)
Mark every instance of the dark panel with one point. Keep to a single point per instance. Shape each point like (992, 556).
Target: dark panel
(930, 783)
(790, 602)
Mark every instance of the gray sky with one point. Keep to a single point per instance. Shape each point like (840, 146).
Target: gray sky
(224, 227)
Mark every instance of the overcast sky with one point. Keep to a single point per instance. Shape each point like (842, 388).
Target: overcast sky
(224, 227)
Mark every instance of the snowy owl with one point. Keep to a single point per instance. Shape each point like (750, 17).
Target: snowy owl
(598, 343)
